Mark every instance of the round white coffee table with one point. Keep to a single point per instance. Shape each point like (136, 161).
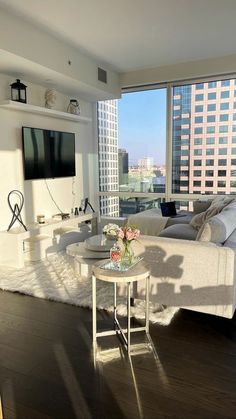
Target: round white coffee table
(99, 243)
(136, 273)
(87, 253)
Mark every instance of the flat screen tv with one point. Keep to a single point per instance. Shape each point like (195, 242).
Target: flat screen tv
(48, 154)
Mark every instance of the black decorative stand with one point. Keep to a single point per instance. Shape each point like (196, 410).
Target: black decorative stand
(87, 204)
(16, 209)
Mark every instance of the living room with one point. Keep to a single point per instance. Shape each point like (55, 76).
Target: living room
(98, 76)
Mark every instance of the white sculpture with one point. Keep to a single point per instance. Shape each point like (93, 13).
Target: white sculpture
(50, 98)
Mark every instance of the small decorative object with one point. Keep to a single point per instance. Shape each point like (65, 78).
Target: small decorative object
(87, 204)
(74, 107)
(16, 208)
(50, 98)
(115, 256)
(127, 235)
(41, 219)
(18, 91)
(110, 231)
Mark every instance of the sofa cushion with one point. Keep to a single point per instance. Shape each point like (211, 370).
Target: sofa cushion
(180, 231)
(180, 218)
(218, 228)
(231, 241)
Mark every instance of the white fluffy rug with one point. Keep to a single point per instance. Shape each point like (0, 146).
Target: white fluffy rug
(54, 279)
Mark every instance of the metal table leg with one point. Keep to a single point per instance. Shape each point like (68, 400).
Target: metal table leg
(147, 303)
(128, 318)
(94, 312)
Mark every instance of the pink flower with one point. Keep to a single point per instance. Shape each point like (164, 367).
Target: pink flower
(129, 234)
(136, 233)
(120, 233)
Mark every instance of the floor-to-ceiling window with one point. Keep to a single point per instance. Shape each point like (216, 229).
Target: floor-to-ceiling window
(141, 161)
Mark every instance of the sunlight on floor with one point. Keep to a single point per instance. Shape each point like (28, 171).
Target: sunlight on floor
(70, 381)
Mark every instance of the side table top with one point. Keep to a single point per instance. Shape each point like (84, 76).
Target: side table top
(136, 273)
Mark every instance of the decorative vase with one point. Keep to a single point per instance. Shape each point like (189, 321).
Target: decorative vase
(74, 107)
(128, 254)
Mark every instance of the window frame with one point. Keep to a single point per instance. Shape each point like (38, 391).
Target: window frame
(170, 85)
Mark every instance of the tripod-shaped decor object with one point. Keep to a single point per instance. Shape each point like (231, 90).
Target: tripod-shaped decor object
(16, 208)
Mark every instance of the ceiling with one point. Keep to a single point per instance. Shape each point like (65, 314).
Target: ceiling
(129, 35)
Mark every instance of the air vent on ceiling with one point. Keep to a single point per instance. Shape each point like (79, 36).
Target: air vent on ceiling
(102, 75)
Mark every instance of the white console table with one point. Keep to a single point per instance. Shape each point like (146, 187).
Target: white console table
(14, 244)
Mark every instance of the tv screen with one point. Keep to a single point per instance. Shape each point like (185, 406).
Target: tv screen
(48, 154)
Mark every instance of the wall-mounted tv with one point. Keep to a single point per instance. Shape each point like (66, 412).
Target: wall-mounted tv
(48, 154)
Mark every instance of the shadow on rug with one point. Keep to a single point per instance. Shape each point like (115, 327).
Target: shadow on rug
(54, 279)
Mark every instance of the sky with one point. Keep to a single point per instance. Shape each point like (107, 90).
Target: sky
(142, 125)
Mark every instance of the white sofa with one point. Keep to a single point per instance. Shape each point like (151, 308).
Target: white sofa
(194, 274)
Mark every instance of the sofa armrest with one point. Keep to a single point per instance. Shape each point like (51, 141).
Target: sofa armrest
(189, 274)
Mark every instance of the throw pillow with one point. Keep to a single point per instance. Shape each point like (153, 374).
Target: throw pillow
(201, 206)
(199, 219)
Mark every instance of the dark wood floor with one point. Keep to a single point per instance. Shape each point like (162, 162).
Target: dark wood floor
(47, 369)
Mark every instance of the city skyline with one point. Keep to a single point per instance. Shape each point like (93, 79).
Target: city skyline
(142, 133)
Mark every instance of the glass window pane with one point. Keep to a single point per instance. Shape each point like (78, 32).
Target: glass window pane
(199, 86)
(132, 147)
(199, 108)
(211, 96)
(212, 85)
(222, 173)
(211, 118)
(210, 130)
(199, 119)
(224, 106)
(209, 173)
(224, 117)
(199, 97)
(197, 141)
(210, 151)
(197, 152)
(210, 140)
(223, 140)
(211, 107)
(214, 122)
(222, 151)
(224, 94)
(225, 83)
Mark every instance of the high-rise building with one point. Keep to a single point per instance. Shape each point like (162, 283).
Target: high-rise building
(123, 158)
(204, 138)
(108, 155)
(146, 163)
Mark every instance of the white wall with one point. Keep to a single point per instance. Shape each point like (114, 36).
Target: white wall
(42, 50)
(182, 71)
(37, 199)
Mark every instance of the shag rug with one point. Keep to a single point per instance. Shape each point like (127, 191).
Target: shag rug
(54, 279)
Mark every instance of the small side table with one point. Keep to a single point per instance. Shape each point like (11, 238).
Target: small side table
(136, 273)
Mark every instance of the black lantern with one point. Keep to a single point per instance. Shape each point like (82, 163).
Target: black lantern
(18, 91)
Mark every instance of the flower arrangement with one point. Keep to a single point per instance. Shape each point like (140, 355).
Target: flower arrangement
(111, 230)
(127, 234)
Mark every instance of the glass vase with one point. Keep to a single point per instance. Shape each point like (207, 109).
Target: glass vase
(128, 254)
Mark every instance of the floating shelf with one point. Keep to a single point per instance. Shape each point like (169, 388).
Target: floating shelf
(24, 107)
